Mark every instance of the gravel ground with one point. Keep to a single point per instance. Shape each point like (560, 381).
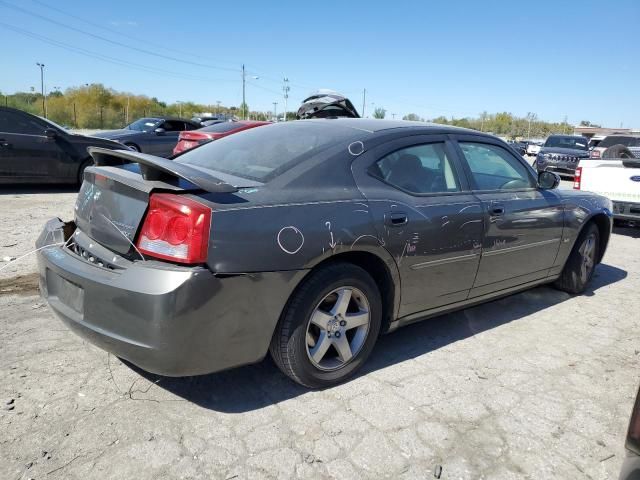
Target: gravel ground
(537, 385)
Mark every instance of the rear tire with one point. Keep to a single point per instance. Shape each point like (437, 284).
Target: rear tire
(581, 264)
(329, 326)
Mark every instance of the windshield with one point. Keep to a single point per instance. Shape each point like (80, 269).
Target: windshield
(576, 143)
(264, 153)
(54, 124)
(612, 140)
(144, 124)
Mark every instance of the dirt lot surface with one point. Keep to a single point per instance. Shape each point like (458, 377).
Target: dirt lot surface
(537, 385)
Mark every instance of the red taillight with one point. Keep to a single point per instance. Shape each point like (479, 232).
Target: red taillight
(633, 436)
(577, 178)
(595, 153)
(175, 228)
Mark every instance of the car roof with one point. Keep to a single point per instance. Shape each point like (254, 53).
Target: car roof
(373, 125)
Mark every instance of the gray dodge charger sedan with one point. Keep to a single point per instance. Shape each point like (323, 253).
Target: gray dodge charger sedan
(307, 239)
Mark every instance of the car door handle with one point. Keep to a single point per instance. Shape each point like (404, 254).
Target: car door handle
(496, 210)
(396, 219)
(4, 143)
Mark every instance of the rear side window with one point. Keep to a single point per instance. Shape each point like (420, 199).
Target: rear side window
(419, 169)
(173, 126)
(612, 140)
(222, 127)
(13, 122)
(264, 153)
(494, 168)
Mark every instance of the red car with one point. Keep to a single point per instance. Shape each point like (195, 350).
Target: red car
(193, 138)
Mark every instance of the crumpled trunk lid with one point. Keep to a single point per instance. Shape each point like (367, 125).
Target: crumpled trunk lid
(112, 202)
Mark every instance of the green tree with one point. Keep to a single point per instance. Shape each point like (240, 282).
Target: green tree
(379, 112)
(413, 117)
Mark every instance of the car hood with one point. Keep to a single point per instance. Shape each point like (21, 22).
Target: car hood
(574, 152)
(116, 134)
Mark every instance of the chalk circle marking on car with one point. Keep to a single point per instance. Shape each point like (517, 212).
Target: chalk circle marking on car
(290, 240)
(356, 148)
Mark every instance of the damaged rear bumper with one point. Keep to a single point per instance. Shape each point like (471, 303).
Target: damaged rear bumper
(166, 319)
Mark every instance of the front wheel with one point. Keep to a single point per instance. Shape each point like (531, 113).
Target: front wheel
(329, 327)
(133, 147)
(581, 263)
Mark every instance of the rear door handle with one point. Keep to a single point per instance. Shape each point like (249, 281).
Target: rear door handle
(396, 219)
(4, 143)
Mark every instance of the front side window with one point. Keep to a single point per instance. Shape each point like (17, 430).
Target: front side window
(494, 168)
(13, 122)
(419, 169)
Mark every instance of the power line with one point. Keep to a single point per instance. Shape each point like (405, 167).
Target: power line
(112, 30)
(106, 58)
(114, 42)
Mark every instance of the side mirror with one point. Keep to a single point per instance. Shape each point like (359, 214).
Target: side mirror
(50, 133)
(548, 180)
(160, 131)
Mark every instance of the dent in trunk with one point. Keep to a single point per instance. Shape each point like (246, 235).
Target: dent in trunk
(110, 211)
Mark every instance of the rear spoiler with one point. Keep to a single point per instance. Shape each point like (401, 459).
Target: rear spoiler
(158, 168)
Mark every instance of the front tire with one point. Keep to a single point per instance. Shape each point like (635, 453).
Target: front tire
(329, 327)
(578, 270)
(133, 147)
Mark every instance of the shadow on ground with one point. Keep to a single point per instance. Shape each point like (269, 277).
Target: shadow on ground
(627, 230)
(256, 386)
(35, 189)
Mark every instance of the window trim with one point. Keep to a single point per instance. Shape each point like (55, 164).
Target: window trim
(414, 141)
(458, 139)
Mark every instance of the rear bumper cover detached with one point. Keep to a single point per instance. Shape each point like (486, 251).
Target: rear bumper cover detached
(166, 319)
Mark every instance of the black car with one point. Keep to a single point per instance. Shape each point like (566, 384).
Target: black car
(520, 147)
(561, 154)
(631, 465)
(36, 150)
(307, 239)
(153, 135)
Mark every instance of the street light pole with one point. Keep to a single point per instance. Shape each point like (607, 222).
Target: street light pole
(275, 111)
(44, 102)
(244, 104)
(286, 89)
(364, 98)
(217, 107)
(179, 108)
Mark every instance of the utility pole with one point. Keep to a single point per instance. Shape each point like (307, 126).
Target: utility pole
(394, 116)
(275, 111)
(126, 117)
(44, 102)
(286, 89)
(217, 107)
(364, 98)
(179, 108)
(244, 104)
(564, 124)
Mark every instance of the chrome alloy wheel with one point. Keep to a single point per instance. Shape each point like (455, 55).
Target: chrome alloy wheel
(588, 254)
(338, 328)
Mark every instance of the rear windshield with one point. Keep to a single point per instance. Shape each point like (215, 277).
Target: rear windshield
(264, 153)
(222, 127)
(612, 140)
(577, 143)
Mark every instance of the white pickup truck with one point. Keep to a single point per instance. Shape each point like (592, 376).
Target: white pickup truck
(619, 180)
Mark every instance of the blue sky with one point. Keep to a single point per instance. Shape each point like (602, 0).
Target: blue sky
(555, 58)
